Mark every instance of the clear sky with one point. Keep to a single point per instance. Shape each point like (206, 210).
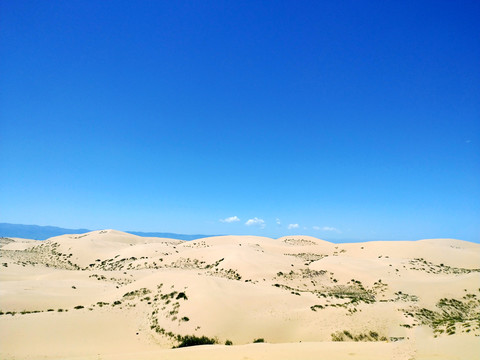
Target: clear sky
(338, 119)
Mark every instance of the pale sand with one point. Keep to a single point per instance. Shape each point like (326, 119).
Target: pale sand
(295, 292)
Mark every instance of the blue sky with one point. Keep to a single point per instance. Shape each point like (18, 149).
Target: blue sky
(339, 119)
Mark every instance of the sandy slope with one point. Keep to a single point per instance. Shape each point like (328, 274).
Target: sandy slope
(112, 295)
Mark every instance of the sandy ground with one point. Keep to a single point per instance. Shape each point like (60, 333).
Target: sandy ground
(112, 295)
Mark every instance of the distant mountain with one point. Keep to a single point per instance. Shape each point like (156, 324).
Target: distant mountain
(37, 232)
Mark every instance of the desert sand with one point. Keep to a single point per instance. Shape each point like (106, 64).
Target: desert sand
(112, 295)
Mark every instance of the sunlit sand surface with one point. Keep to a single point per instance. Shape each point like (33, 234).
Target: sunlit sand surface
(112, 295)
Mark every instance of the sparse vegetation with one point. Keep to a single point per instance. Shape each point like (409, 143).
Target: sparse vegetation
(429, 267)
(452, 315)
(346, 335)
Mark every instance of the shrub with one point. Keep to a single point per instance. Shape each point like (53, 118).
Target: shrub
(185, 318)
(259, 340)
(192, 340)
(181, 295)
(228, 342)
(78, 307)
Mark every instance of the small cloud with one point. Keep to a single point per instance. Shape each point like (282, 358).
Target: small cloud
(316, 227)
(277, 220)
(293, 226)
(256, 221)
(329, 228)
(230, 219)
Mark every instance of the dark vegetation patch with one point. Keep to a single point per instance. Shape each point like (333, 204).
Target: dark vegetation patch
(193, 340)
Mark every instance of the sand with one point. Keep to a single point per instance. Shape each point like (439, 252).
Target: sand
(112, 295)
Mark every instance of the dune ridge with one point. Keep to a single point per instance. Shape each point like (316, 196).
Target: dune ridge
(112, 295)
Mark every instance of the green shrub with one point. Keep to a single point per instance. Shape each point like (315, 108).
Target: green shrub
(259, 340)
(228, 342)
(78, 307)
(192, 340)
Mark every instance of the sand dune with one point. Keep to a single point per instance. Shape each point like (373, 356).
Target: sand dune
(112, 295)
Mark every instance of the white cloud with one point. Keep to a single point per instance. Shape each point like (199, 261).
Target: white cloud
(329, 228)
(316, 227)
(256, 221)
(277, 220)
(292, 226)
(230, 219)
